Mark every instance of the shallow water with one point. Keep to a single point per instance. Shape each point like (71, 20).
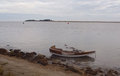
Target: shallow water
(104, 38)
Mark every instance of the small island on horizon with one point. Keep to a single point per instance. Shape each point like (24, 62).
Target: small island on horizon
(50, 20)
(38, 20)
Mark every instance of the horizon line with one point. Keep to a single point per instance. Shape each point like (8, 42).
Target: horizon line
(86, 21)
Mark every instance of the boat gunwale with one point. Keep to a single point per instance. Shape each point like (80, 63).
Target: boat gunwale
(64, 52)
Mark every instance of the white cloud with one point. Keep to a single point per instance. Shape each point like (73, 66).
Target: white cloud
(62, 8)
(106, 4)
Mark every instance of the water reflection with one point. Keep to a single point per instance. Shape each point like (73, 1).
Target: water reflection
(81, 61)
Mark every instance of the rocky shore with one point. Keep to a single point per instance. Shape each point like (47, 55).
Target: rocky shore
(33, 59)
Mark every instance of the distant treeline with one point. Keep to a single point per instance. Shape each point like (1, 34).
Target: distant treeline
(39, 20)
(74, 21)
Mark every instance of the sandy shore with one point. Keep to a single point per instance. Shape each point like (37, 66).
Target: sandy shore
(20, 67)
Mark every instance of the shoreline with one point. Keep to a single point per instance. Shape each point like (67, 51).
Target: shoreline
(21, 67)
(79, 21)
(30, 59)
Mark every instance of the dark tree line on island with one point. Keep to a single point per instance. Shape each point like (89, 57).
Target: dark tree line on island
(39, 20)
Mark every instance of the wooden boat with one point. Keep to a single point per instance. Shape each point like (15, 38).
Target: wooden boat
(64, 53)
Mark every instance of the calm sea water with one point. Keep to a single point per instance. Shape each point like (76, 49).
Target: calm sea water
(104, 38)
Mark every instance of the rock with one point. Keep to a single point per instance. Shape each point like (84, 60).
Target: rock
(11, 53)
(56, 62)
(116, 72)
(49, 59)
(39, 56)
(63, 60)
(99, 70)
(112, 73)
(29, 56)
(90, 71)
(10, 49)
(20, 54)
(17, 50)
(14, 52)
(34, 53)
(40, 59)
(43, 61)
(73, 69)
(3, 51)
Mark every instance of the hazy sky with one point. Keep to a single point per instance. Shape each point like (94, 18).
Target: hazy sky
(60, 9)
